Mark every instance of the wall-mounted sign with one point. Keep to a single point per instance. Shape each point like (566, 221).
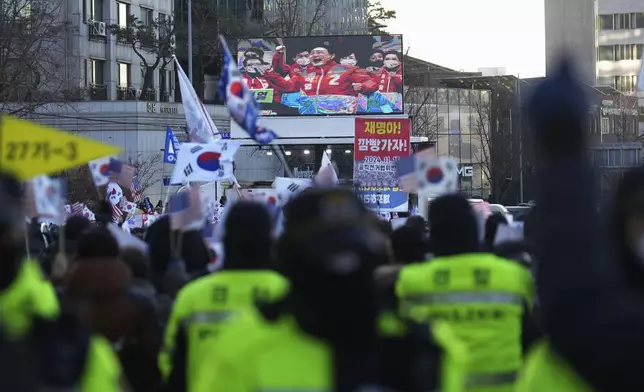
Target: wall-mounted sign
(609, 108)
(162, 109)
(466, 171)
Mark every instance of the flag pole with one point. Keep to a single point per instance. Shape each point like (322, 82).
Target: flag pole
(280, 156)
(190, 41)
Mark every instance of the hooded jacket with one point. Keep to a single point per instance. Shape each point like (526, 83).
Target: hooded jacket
(99, 288)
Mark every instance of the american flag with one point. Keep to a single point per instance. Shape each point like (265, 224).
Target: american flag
(77, 208)
(122, 173)
(116, 212)
(135, 189)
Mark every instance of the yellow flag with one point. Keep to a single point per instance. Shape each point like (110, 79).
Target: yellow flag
(28, 149)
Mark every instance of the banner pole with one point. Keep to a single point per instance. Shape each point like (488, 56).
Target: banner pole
(280, 156)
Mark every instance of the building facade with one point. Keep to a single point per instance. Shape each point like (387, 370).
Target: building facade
(138, 128)
(108, 67)
(570, 27)
(620, 46)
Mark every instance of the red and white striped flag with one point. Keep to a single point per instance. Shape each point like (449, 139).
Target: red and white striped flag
(122, 173)
(116, 212)
(135, 189)
(77, 208)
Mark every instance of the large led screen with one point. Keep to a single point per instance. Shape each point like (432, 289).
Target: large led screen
(305, 76)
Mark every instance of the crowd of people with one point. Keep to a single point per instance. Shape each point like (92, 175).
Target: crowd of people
(338, 300)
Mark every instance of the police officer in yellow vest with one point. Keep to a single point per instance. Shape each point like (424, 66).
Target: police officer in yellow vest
(204, 306)
(328, 333)
(481, 296)
(30, 313)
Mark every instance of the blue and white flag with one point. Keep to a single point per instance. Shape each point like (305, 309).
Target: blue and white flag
(171, 147)
(241, 103)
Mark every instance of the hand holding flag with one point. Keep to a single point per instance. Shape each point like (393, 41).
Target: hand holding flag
(241, 103)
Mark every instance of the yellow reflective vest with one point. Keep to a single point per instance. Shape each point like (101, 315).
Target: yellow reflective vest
(482, 297)
(205, 305)
(255, 355)
(30, 296)
(546, 371)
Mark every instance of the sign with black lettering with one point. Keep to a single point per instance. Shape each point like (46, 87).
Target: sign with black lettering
(28, 149)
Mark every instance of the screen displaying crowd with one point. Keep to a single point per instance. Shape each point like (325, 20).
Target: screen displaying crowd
(301, 76)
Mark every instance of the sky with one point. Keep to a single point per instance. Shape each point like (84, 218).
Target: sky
(471, 34)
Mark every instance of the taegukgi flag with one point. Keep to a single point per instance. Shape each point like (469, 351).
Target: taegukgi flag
(204, 162)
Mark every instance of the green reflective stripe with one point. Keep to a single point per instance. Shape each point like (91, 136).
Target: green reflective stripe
(207, 317)
(491, 379)
(466, 298)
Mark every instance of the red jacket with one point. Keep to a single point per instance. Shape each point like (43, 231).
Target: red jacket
(330, 79)
(388, 83)
(279, 65)
(262, 83)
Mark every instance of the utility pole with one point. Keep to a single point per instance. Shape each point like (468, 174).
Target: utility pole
(519, 117)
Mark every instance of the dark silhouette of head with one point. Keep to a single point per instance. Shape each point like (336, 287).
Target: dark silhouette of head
(453, 226)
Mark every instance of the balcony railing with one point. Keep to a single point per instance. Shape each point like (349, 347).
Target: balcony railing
(98, 92)
(149, 95)
(126, 94)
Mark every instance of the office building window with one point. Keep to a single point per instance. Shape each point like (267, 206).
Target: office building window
(96, 10)
(605, 126)
(639, 51)
(629, 158)
(123, 75)
(606, 53)
(122, 13)
(164, 26)
(96, 68)
(614, 158)
(626, 83)
(147, 16)
(606, 81)
(606, 22)
(639, 20)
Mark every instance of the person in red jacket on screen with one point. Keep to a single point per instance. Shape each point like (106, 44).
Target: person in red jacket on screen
(301, 61)
(253, 76)
(390, 78)
(326, 77)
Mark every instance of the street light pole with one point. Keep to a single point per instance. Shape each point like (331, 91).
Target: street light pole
(190, 40)
(521, 132)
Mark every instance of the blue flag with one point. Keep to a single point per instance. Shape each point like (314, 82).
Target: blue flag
(171, 147)
(241, 103)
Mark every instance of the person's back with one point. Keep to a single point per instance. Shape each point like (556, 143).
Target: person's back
(480, 295)
(327, 334)
(206, 305)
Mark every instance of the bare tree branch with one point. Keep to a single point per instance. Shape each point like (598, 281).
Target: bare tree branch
(420, 104)
(156, 38)
(495, 153)
(297, 17)
(149, 167)
(33, 56)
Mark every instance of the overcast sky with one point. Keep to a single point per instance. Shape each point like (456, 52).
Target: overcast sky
(471, 34)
